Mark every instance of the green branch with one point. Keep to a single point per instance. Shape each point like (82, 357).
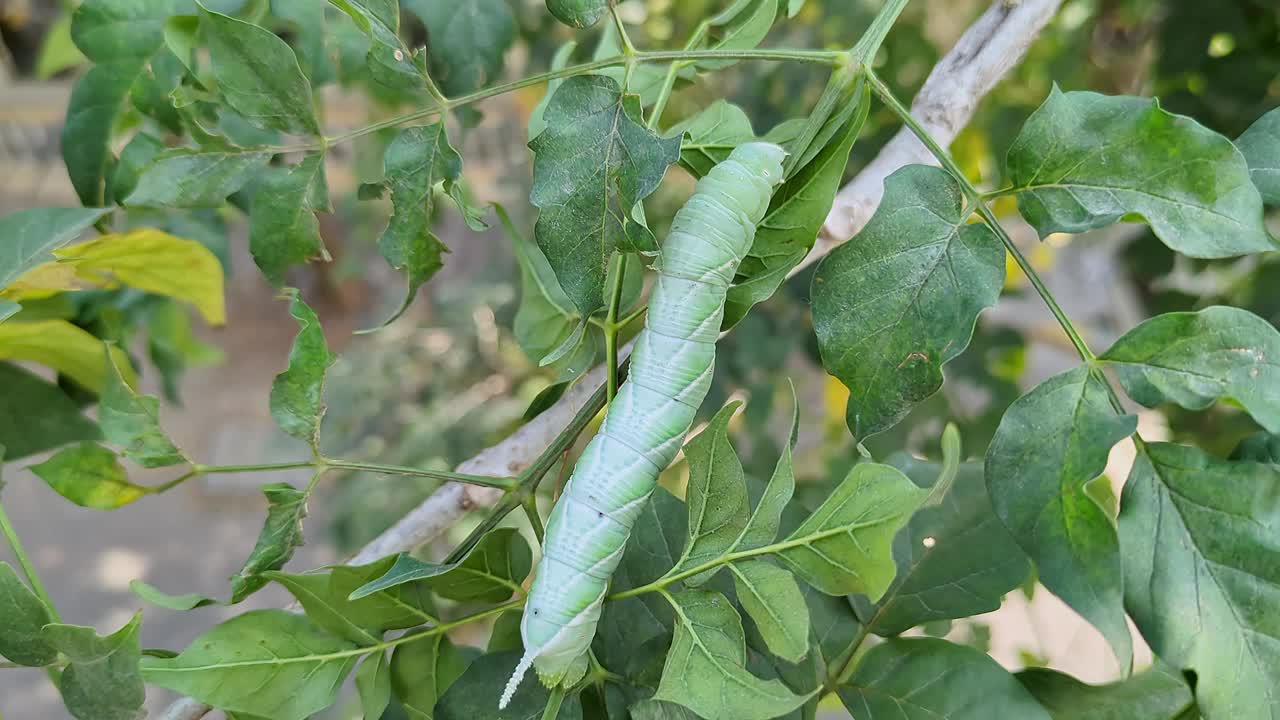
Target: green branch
(611, 327)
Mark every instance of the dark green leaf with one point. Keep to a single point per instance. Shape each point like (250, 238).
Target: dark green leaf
(422, 671)
(96, 101)
(283, 231)
(268, 662)
(833, 626)
(1202, 573)
(281, 534)
(845, 545)
(102, 680)
(107, 30)
(326, 598)
(592, 164)
(954, 560)
(1259, 447)
(181, 603)
(775, 603)
(706, 668)
(140, 152)
(712, 135)
(1194, 358)
(1260, 145)
(89, 475)
(373, 682)
(190, 178)
(389, 60)
(900, 300)
(466, 41)
(297, 394)
(1085, 160)
(258, 75)
(36, 415)
(415, 162)
(796, 213)
(1156, 694)
(132, 421)
(506, 633)
(22, 614)
(578, 13)
(31, 236)
(489, 573)
(1051, 442)
(934, 679)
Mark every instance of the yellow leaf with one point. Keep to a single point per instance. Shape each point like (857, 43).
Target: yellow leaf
(42, 281)
(155, 261)
(64, 347)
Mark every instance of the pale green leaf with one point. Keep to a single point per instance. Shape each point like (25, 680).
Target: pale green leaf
(373, 683)
(741, 26)
(326, 598)
(900, 300)
(1260, 145)
(1195, 358)
(775, 603)
(22, 614)
(269, 663)
(1202, 573)
(132, 421)
(1050, 443)
(491, 572)
(716, 496)
(1085, 160)
(706, 668)
(710, 135)
(297, 393)
(89, 475)
(31, 236)
(181, 603)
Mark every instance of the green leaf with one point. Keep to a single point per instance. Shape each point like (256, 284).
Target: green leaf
(489, 573)
(775, 603)
(283, 231)
(468, 41)
(1156, 694)
(258, 75)
(546, 323)
(22, 614)
(268, 662)
(389, 60)
(716, 496)
(57, 51)
(325, 597)
(1084, 160)
(36, 415)
(1195, 358)
(1201, 577)
(107, 30)
(473, 695)
(901, 299)
(89, 475)
(415, 162)
(181, 603)
(955, 560)
(31, 236)
(191, 178)
(102, 680)
(710, 135)
(833, 627)
(1260, 145)
(141, 150)
(132, 421)
(422, 671)
(845, 545)
(578, 13)
(281, 534)
(1259, 447)
(706, 668)
(796, 213)
(373, 683)
(297, 394)
(558, 61)
(1050, 443)
(96, 101)
(592, 164)
(741, 26)
(929, 678)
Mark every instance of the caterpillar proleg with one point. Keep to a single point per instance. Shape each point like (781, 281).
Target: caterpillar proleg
(669, 376)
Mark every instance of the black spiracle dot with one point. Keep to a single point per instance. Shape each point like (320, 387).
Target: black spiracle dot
(535, 611)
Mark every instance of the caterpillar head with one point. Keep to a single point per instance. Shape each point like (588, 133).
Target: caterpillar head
(764, 157)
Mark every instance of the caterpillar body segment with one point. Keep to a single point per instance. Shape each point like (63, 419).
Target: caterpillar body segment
(670, 373)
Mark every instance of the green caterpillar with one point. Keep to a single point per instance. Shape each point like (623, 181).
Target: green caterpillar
(670, 373)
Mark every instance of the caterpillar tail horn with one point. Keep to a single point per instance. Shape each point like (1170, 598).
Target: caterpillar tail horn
(522, 669)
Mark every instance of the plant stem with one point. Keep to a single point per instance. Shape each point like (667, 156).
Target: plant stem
(262, 467)
(611, 327)
(864, 52)
(502, 483)
(530, 505)
(20, 553)
(552, 710)
(673, 71)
